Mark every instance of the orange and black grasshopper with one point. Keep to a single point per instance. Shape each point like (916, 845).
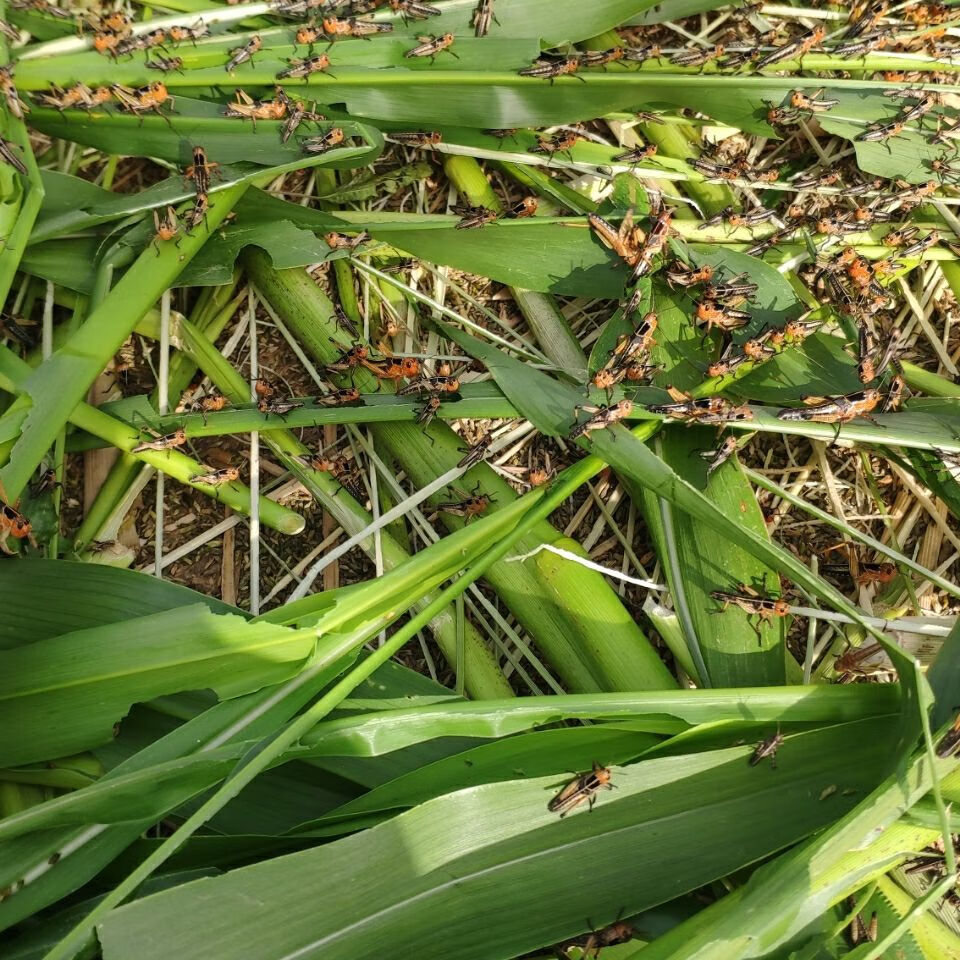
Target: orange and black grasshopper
(413, 10)
(432, 47)
(706, 410)
(562, 142)
(167, 227)
(303, 69)
(591, 944)
(9, 157)
(244, 54)
(624, 361)
(603, 417)
(394, 368)
(217, 478)
(426, 414)
(794, 50)
(338, 398)
(473, 455)
(681, 275)
(416, 138)
(298, 113)
(838, 410)
(330, 139)
(483, 16)
(468, 508)
(655, 239)
(13, 524)
(197, 214)
(176, 439)
(340, 241)
(15, 105)
(474, 217)
(716, 458)
(697, 58)
(747, 599)
(280, 408)
(148, 99)
(200, 171)
(247, 108)
(165, 64)
(334, 27)
(583, 788)
(433, 385)
(526, 207)
(880, 132)
(626, 242)
(856, 661)
(349, 359)
(209, 404)
(333, 137)
(551, 69)
(637, 155)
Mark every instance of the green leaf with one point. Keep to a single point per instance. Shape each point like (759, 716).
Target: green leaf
(68, 691)
(391, 730)
(52, 597)
(226, 140)
(479, 842)
(738, 649)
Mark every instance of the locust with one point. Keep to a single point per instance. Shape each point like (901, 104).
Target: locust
(303, 69)
(767, 748)
(432, 47)
(584, 788)
(717, 457)
(217, 478)
(244, 54)
(176, 439)
(482, 18)
(603, 417)
(794, 50)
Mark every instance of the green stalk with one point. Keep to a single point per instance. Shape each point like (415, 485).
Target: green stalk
(24, 211)
(576, 618)
(13, 374)
(70, 371)
(925, 381)
(213, 312)
(346, 291)
(484, 679)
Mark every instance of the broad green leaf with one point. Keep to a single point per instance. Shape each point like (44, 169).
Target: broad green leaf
(664, 712)
(478, 842)
(226, 140)
(738, 649)
(559, 254)
(52, 597)
(64, 694)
